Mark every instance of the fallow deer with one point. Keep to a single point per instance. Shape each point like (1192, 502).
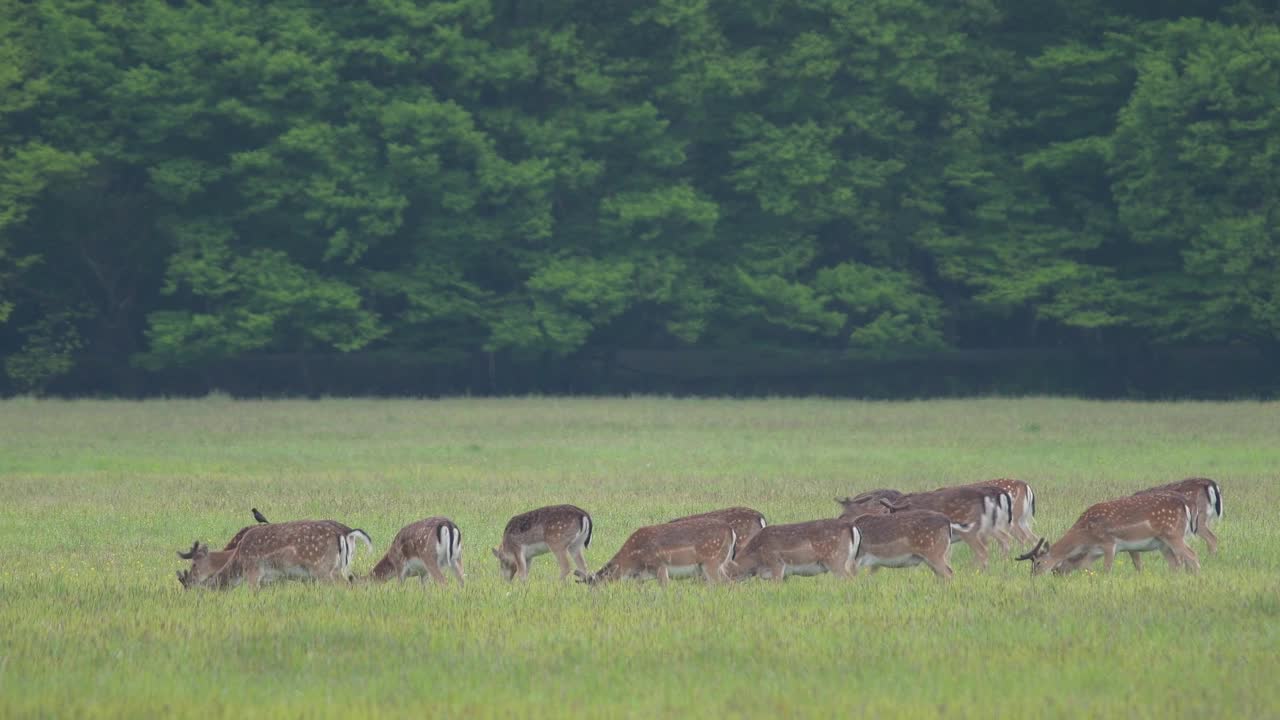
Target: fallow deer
(1135, 524)
(976, 512)
(807, 548)
(671, 550)
(868, 503)
(424, 548)
(562, 530)
(906, 539)
(317, 549)
(1204, 497)
(1023, 509)
(744, 521)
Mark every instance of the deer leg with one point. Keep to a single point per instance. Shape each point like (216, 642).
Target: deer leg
(562, 558)
(939, 566)
(1207, 535)
(433, 569)
(663, 576)
(1180, 547)
(1003, 537)
(579, 559)
(456, 566)
(1136, 557)
(1171, 557)
(522, 565)
(979, 547)
(1108, 556)
(779, 569)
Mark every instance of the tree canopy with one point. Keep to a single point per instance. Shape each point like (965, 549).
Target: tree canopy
(186, 182)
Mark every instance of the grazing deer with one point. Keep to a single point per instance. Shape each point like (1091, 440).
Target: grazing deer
(744, 521)
(316, 549)
(562, 530)
(671, 550)
(905, 539)
(976, 512)
(1135, 524)
(1022, 510)
(424, 548)
(868, 503)
(807, 548)
(1204, 497)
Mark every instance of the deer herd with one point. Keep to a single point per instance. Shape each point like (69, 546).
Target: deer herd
(877, 528)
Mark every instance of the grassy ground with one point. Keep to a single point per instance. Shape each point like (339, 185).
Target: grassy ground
(97, 496)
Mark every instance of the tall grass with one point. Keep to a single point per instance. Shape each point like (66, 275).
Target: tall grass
(97, 496)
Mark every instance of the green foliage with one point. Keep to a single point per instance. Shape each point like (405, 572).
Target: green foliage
(196, 181)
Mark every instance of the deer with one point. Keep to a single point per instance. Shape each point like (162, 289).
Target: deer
(1134, 524)
(806, 548)
(562, 530)
(977, 513)
(316, 549)
(905, 539)
(1022, 510)
(424, 548)
(1204, 497)
(745, 521)
(671, 550)
(868, 503)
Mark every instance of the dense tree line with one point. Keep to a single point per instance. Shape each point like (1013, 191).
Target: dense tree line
(183, 183)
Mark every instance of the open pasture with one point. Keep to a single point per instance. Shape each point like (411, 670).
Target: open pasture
(98, 495)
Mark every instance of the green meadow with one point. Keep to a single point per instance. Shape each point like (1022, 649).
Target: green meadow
(98, 495)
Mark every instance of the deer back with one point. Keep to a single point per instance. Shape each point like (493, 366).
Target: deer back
(908, 530)
(1203, 494)
(745, 521)
(553, 524)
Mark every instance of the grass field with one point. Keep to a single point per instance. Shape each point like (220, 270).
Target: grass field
(97, 496)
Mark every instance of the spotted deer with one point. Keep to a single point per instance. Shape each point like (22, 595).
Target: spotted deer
(1135, 524)
(1204, 497)
(425, 548)
(806, 548)
(976, 512)
(744, 521)
(1022, 510)
(905, 539)
(314, 549)
(868, 503)
(671, 550)
(562, 530)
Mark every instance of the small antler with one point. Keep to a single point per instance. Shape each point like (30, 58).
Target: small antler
(1033, 553)
(190, 553)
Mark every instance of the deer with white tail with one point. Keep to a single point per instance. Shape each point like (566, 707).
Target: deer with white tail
(425, 548)
(807, 548)
(1135, 524)
(305, 549)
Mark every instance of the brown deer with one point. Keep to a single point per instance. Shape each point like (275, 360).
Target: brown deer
(424, 548)
(976, 513)
(744, 521)
(905, 539)
(868, 503)
(562, 530)
(671, 550)
(1135, 524)
(807, 548)
(316, 549)
(1022, 511)
(1204, 497)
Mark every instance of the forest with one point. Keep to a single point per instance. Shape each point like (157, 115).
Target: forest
(527, 196)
